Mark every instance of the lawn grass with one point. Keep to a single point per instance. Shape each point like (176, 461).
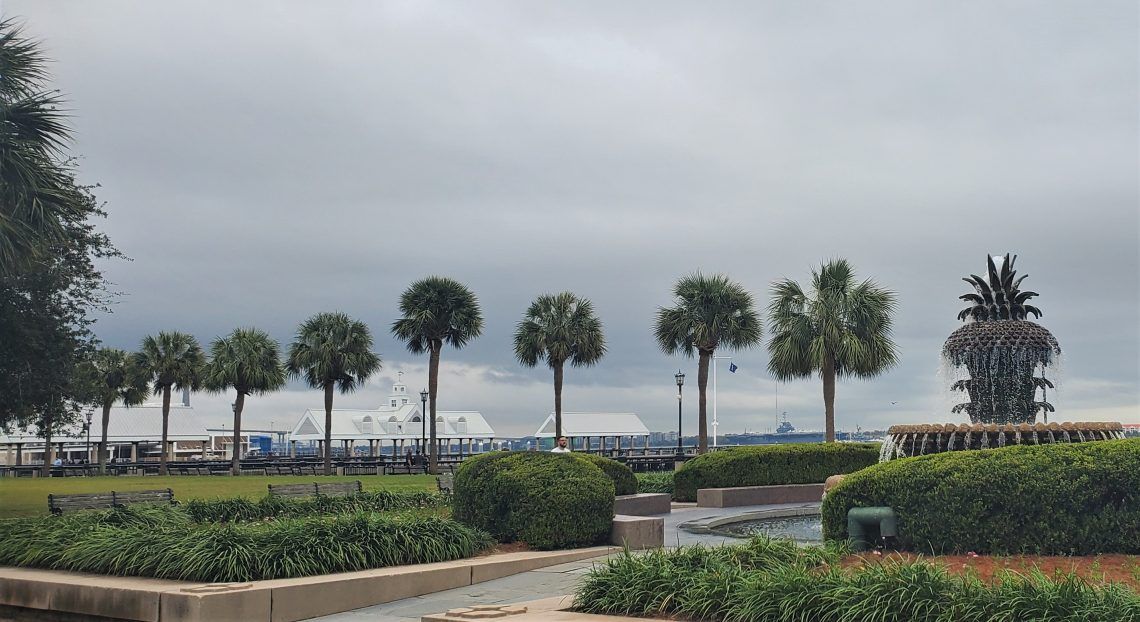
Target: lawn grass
(28, 496)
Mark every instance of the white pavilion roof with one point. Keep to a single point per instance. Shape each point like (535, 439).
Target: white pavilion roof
(137, 423)
(594, 424)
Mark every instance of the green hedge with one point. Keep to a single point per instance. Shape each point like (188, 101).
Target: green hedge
(660, 481)
(240, 509)
(1050, 499)
(622, 476)
(770, 465)
(162, 542)
(547, 500)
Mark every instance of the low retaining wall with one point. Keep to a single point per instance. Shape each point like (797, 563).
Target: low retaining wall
(643, 504)
(278, 600)
(638, 532)
(758, 495)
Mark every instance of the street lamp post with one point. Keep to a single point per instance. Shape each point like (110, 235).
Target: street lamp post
(680, 381)
(423, 422)
(88, 429)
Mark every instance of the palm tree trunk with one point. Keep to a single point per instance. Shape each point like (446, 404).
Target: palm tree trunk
(103, 439)
(433, 384)
(702, 384)
(165, 429)
(238, 405)
(328, 427)
(829, 400)
(557, 401)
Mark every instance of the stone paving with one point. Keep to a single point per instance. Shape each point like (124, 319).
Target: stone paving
(544, 582)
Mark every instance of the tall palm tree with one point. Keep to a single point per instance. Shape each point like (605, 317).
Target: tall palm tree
(437, 310)
(116, 378)
(710, 312)
(841, 329)
(332, 351)
(35, 188)
(559, 328)
(170, 361)
(249, 361)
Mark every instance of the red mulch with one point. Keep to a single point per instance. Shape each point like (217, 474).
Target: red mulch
(1097, 569)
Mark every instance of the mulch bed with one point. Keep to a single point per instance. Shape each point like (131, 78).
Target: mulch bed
(1096, 569)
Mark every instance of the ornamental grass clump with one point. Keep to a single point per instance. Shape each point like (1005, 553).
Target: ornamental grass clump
(164, 543)
(777, 581)
(239, 509)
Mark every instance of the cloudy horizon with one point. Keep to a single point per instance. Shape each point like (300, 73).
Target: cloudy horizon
(265, 161)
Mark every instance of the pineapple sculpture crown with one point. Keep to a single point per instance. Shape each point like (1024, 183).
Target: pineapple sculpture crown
(999, 298)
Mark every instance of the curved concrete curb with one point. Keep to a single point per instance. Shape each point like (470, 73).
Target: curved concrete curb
(709, 525)
(278, 600)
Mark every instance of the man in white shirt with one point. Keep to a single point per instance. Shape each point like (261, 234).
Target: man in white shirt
(560, 447)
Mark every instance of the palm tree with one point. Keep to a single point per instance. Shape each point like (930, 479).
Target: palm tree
(842, 329)
(36, 192)
(437, 310)
(249, 361)
(115, 378)
(332, 351)
(171, 361)
(559, 328)
(710, 312)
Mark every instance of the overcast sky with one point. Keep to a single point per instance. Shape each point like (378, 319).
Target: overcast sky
(264, 161)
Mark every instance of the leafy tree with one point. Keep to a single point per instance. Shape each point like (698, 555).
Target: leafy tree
(437, 310)
(842, 328)
(559, 328)
(170, 361)
(332, 350)
(48, 247)
(710, 312)
(37, 195)
(114, 378)
(249, 361)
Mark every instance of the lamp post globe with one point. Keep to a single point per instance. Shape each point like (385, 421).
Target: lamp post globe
(680, 378)
(423, 422)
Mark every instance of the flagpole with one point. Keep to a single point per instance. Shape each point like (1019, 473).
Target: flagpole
(715, 423)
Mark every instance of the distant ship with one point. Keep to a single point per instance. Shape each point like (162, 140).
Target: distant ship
(785, 433)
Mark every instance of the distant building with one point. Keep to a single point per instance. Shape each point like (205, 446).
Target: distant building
(133, 433)
(581, 429)
(395, 426)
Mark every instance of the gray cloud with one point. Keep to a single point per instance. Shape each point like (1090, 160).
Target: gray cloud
(264, 161)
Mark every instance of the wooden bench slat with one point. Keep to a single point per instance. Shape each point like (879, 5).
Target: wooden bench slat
(98, 500)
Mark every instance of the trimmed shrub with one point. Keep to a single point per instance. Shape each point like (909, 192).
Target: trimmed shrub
(163, 543)
(547, 500)
(1078, 499)
(239, 509)
(661, 481)
(771, 465)
(622, 476)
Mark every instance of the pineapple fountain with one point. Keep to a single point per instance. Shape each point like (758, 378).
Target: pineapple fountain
(1004, 357)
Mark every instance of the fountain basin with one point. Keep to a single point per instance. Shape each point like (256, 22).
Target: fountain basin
(916, 440)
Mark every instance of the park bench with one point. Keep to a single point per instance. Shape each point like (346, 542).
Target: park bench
(446, 485)
(58, 504)
(328, 489)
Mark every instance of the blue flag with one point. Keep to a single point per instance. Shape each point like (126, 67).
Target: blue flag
(732, 367)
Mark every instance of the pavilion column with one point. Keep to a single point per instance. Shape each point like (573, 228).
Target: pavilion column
(470, 446)
(134, 451)
(171, 457)
(19, 454)
(647, 444)
(205, 446)
(292, 449)
(395, 449)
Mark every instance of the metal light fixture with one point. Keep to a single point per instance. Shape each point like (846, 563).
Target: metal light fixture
(680, 378)
(423, 422)
(88, 428)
